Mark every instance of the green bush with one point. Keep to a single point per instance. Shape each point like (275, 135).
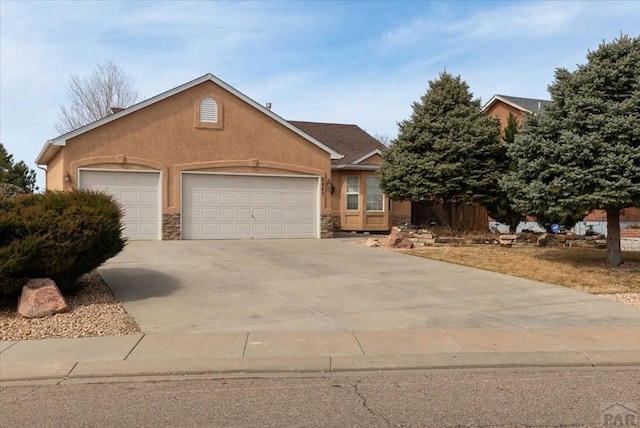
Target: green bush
(57, 235)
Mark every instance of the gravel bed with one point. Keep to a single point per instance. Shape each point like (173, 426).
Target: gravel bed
(93, 311)
(632, 299)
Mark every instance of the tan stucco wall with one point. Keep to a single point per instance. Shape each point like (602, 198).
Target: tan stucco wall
(361, 219)
(55, 173)
(164, 137)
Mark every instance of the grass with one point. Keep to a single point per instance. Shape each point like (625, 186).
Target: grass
(580, 268)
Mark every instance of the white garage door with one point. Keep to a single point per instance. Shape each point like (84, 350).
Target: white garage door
(138, 192)
(216, 206)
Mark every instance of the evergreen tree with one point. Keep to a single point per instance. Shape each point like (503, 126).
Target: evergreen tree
(583, 152)
(18, 173)
(447, 151)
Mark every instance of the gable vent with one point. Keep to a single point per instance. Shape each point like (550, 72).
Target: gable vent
(209, 110)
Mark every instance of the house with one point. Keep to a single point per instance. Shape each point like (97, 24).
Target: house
(357, 201)
(500, 106)
(204, 161)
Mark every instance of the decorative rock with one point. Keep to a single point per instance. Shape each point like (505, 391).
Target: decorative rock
(371, 242)
(547, 240)
(41, 298)
(398, 239)
(405, 244)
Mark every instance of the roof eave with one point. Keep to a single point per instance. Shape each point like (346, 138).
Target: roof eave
(62, 139)
(367, 156)
(506, 101)
(48, 152)
(347, 166)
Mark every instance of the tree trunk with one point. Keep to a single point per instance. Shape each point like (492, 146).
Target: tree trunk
(614, 254)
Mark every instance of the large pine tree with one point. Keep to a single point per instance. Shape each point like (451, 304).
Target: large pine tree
(583, 152)
(447, 151)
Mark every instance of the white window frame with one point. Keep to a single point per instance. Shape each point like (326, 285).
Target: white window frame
(214, 105)
(380, 194)
(351, 192)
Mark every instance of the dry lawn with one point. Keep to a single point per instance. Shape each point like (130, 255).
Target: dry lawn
(581, 268)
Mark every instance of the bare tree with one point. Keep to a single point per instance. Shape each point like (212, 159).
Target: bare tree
(92, 97)
(383, 138)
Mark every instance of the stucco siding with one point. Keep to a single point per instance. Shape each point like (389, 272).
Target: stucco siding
(164, 137)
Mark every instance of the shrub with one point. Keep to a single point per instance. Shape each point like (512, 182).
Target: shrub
(57, 235)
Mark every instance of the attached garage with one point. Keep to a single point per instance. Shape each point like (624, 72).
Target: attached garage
(234, 206)
(139, 194)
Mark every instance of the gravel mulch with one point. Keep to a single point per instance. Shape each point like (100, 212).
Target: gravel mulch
(632, 299)
(93, 311)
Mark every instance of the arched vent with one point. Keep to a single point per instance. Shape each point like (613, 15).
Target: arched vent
(209, 110)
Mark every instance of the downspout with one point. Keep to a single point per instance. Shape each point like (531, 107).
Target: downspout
(45, 176)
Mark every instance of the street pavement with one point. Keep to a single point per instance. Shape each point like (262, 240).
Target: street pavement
(209, 307)
(434, 398)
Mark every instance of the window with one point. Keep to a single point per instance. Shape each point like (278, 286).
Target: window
(353, 193)
(374, 195)
(208, 110)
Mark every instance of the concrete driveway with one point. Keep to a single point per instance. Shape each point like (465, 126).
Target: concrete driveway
(332, 285)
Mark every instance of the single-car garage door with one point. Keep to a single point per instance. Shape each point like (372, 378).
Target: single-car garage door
(217, 206)
(139, 194)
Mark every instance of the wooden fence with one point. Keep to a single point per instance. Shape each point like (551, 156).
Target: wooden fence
(455, 216)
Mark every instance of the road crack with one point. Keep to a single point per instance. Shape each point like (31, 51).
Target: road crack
(369, 409)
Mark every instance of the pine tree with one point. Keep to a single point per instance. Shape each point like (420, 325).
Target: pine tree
(16, 173)
(583, 152)
(447, 151)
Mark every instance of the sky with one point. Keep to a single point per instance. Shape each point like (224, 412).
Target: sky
(359, 62)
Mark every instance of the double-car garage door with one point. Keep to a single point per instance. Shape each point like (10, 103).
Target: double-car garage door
(215, 206)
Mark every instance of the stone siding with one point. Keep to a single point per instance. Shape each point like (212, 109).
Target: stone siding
(171, 227)
(326, 226)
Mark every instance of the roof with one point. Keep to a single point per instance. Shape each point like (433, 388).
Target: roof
(351, 141)
(528, 105)
(53, 145)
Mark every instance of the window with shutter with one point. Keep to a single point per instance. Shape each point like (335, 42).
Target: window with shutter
(208, 110)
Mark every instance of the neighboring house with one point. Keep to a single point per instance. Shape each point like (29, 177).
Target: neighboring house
(204, 161)
(500, 106)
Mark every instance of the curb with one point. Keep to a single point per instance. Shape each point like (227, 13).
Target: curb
(105, 370)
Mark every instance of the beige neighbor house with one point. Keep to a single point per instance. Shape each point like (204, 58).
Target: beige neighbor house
(204, 161)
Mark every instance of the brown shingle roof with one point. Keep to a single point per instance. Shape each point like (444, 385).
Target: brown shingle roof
(350, 141)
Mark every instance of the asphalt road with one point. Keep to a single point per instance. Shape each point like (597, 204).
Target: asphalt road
(540, 398)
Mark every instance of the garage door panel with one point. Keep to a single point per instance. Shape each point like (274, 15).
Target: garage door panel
(257, 206)
(138, 194)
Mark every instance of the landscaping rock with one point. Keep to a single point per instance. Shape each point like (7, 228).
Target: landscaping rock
(508, 237)
(398, 239)
(372, 242)
(41, 298)
(547, 240)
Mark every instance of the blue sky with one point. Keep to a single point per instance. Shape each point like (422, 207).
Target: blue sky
(361, 62)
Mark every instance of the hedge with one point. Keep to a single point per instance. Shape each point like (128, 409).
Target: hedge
(57, 235)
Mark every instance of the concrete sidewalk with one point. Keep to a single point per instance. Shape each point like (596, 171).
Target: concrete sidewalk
(102, 358)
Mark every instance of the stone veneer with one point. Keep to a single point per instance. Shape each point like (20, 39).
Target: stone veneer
(326, 226)
(170, 227)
